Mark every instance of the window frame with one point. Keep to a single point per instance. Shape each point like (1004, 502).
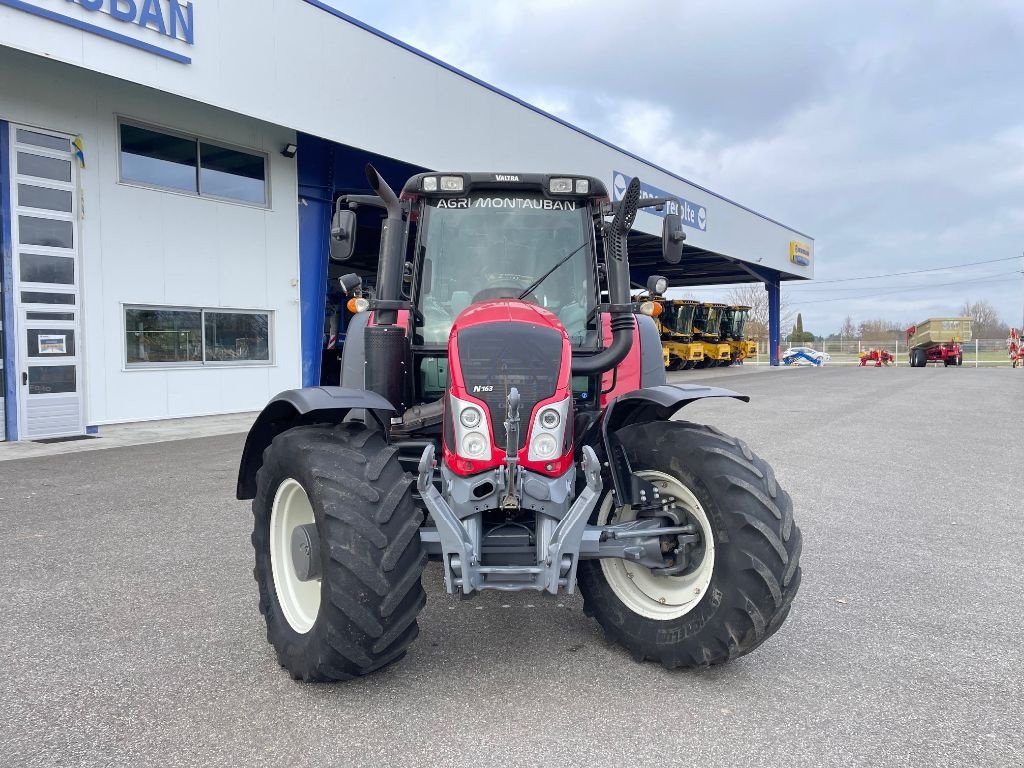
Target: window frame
(197, 140)
(270, 362)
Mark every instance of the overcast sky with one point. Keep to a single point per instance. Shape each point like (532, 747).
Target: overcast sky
(893, 135)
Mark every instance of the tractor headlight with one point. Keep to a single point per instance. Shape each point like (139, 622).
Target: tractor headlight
(472, 433)
(544, 446)
(549, 418)
(474, 445)
(470, 417)
(547, 435)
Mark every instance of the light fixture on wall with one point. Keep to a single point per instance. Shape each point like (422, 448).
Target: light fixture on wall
(289, 150)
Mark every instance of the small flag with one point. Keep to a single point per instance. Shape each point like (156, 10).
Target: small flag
(79, 146)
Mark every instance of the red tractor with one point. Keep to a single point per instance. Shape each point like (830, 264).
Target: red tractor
(497, 416)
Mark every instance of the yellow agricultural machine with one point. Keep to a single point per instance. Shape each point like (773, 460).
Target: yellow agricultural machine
(679, 348)
(734, 319)
(707, 329)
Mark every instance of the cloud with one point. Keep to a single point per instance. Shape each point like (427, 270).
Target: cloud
(891, 132)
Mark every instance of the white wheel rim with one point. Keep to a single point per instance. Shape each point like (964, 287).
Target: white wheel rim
(660, 597)
(299, 600)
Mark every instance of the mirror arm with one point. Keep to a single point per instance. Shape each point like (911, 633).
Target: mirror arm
(354, 201)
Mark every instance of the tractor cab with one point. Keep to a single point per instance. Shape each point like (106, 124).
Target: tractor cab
(525, 237)
(734, 318)
(707, 322)
(708, 328)
(678, 317)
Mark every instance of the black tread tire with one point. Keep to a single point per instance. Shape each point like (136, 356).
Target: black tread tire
(757, 551)
(372, 558)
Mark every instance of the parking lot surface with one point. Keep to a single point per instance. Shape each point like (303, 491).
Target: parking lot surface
(131, 635)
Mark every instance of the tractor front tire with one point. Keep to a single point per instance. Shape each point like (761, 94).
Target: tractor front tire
(740, 592)
(360, 615)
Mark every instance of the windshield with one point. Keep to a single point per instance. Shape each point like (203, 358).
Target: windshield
(738, 323)
(713, 320)
(496, 246)
(681, 318)
(728, 322)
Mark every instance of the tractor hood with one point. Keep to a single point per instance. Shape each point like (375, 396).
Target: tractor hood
(499, 345)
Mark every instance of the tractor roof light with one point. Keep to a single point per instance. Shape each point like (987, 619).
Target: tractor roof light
(582, 186)
(429, 184)
(561, 186)
(657, 285)
(453, 184)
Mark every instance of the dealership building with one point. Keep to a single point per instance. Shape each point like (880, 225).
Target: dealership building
(167, 175)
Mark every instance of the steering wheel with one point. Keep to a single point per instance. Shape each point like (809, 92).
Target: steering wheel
(505, 287)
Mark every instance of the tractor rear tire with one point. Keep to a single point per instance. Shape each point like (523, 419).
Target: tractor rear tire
(755, 574)
(362, 615)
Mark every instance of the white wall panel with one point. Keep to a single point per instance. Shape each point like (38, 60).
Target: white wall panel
(149, 247)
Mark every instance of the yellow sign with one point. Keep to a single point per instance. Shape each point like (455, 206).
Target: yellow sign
(800, 253)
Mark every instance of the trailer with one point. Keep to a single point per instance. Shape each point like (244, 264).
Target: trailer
(937, 340)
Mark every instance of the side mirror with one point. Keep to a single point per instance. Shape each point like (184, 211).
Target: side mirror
(343, 235)
(672, 237)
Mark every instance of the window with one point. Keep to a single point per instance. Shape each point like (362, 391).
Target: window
(191, 165)
(158, 159)
(232, 336)
(186, 336)
(163, 336)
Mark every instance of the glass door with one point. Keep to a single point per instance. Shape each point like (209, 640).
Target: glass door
(44, 196)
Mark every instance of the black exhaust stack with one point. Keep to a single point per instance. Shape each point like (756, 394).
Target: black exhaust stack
(616, 259)
(387, 347)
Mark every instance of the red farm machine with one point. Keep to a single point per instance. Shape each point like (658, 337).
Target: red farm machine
(937, 340)
(503, 411)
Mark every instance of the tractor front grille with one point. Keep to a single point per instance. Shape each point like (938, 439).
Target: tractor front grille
(498, 356)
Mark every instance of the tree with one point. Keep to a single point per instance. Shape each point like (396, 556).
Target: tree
(880, 330)
(755, 296)
(801, 337)
(799, 324)
(987, 324)
(848, 330)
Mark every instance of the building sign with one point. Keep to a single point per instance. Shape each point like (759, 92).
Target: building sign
(693, 215)
(139, 24)
(800, 253)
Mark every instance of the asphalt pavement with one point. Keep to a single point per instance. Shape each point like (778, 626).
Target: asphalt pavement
(131, 636)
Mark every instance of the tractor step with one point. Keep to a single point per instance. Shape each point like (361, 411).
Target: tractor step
(511, 570)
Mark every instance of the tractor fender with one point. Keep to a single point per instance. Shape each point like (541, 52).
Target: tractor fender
(311, 405)
(659, 403)
(652, 358)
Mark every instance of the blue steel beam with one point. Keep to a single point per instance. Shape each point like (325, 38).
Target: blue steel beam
(315, 159)
(774, 288)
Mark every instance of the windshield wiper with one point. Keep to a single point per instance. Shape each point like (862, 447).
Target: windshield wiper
(546, 275)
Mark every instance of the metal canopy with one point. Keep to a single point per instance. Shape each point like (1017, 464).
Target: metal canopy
(698, 266)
